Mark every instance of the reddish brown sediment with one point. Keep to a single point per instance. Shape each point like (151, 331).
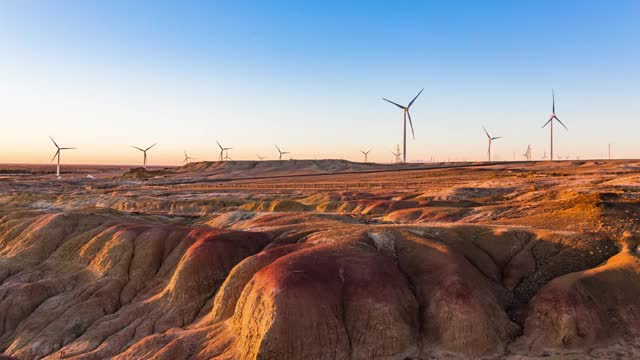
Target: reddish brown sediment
(489, 261)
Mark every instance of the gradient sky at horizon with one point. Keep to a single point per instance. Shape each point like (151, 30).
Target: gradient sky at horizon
(104, 75)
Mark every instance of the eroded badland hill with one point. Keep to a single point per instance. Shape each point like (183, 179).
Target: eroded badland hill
(323, 260)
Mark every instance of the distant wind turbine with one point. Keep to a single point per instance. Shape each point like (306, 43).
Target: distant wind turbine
(222, 150)
(57, 154)
(187, 157)
(281, 152)
(260, 157)
(144, 151)
(226, 156)
(397, 153)
(405, 112)
(490, 141)
(527, 154)
(397, 156)
(551, 118)
(366, 154)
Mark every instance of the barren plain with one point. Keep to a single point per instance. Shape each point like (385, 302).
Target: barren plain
(323, 259)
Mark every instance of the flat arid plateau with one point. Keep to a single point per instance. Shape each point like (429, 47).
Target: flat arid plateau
(322, 259)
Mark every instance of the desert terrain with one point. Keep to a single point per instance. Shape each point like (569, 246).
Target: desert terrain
(321, 259)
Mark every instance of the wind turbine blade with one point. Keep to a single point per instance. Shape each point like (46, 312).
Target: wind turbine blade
(278, 149)
(398, 105)
(547, 123)
(411, 124)
(414, 99)
(220, 146)
(67, 148)
(135, 147)
(486, 132)
(151, 147)
(496, 138)
(553, 96)
(56, 154)
(561, 123)
(54, 142)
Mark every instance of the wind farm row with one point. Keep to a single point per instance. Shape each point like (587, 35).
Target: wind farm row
(399, 155)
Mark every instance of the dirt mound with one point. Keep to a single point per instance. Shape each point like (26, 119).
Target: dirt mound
(267, 168)
(141, 290)
(476, 193)
(280, 205)
(584, 309)
(103, 285)
(144, 174)
(95, 284)
(426, 214)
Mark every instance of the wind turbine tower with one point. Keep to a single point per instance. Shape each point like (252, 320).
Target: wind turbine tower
(490, 141)
(281, 152)
(57, 155)
(551, 118)
(406, 114)
(222, 150)
(397, 154)
(187, 157)
(144, 151)
(366, 154)
(527, 154)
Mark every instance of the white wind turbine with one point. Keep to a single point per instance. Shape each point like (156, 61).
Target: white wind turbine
(366, 154)
(57, 154)
(490, 141)
(527, 154)
(551, 118)
(144, 151)
(281, 152)
(397, 154)
(187, 157)
(406, 114)
(222, 150)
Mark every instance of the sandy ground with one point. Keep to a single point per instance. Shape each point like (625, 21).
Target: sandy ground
(322, 259)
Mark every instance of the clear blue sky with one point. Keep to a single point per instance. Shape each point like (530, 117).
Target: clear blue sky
(101, 75)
